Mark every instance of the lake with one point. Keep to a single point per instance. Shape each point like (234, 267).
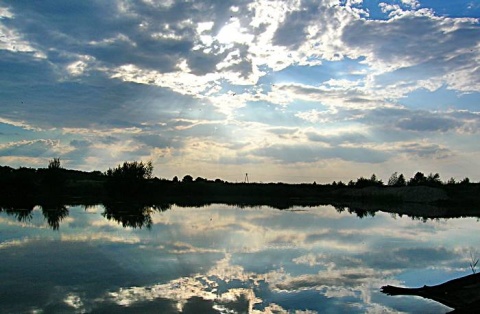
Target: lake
(226, 259)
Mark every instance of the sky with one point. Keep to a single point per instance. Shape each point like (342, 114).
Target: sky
(291, 91)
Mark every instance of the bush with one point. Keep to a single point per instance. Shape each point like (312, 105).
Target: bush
(132, 170)
(129, 179)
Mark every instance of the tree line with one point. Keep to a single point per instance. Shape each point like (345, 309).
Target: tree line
(135, 180)
(399, 180)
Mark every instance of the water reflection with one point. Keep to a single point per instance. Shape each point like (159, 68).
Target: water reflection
(137, 214)
(461, 294)
(54, 213)
(132, 214)
(143, 257)
(22, 212)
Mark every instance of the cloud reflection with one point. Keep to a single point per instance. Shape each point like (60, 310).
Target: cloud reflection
(223, 259)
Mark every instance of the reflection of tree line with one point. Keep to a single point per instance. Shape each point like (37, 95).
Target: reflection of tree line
(129, 214)
(54, 212)
(135, 213)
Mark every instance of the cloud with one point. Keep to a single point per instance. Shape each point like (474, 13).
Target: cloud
(80, 143)
(442, 49)
(157, 141)
(190, 295)
(425, 150)
(345, 278)
(427, 123)
(342, 138)
(308, 153)
(392, 117)
(342, 74)
(404, 257)
(277, 259)
(34, 148)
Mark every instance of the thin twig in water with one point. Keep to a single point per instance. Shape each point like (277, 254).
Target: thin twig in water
(474, 262)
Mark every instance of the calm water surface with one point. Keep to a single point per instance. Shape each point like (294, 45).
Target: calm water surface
(225, 259)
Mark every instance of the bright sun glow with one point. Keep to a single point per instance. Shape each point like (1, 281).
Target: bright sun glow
(234, 33)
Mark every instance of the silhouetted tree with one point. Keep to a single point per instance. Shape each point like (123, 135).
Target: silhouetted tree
(54, 163)
(373, 181)
(21, 209)
(175, 179)
(200, 179)
(22, 182)
(54, 212)
(396, 180)
(393, 179)
(129, 214)
(129, 179)
(54, 177)
(132, 170)
(434, 180)
(187, 179)
(418, 179)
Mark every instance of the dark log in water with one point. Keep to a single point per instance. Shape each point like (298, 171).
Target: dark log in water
(461, 294)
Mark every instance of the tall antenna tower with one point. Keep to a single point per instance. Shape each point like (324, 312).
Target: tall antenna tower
(246, 178)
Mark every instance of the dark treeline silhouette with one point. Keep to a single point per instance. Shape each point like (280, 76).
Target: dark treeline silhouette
(130, 194)
(134, 181)
(54, 180)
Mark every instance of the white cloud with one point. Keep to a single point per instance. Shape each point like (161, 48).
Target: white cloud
(11, 39)
(232, 70)
(234, 33)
